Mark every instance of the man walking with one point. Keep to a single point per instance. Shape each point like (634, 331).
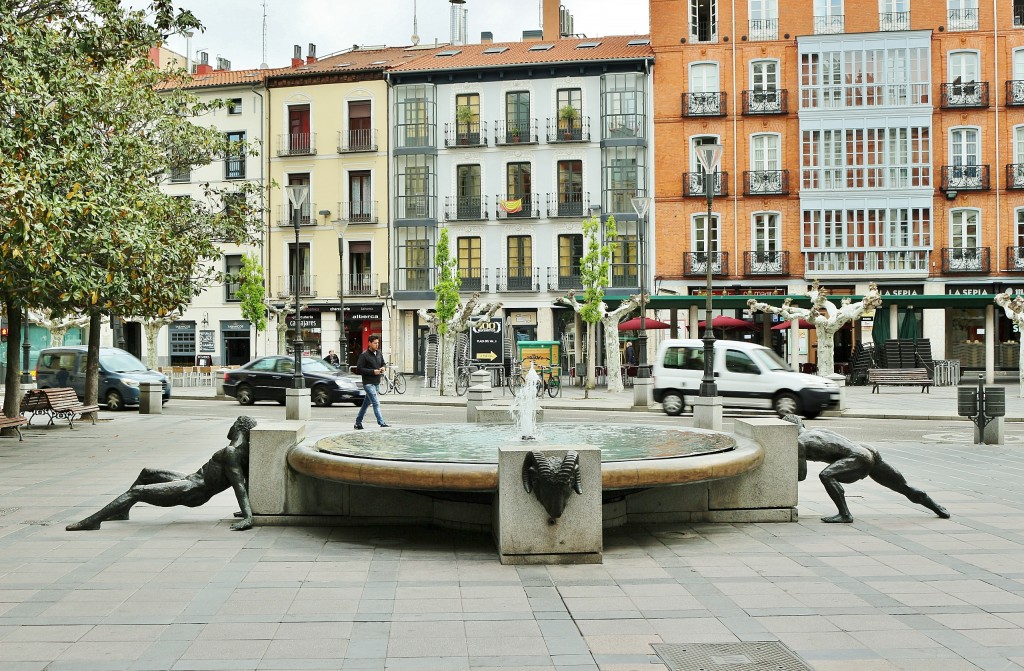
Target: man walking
(371, 366)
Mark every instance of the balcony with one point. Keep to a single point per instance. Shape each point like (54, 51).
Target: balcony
(568, 205)
(360, 284)
(765, 182)
(964, 178)
(1015, 259)
(867, 261)
(694, 184)
(765, 263)
(286, 286)
(473, 279)
(287, 216)
(829, 25)
(522, 278)
(415, 207)
(358, 212)
(234, 167)
(561, 130)
(510, 132)
(704, 104)
(765, 102)
(465, 134)
(1015, 176)
(959, 96)
(962, 19)
(517, 207)
(888, 21)
(564, 279)
(465, 208)
(695, 264)
(623, 126)
(763, 29)
(965, 259)
(1015, 93)
(357, 140)
(296, 144)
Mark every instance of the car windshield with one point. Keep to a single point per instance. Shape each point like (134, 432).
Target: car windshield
(771, 360)
(317, 366)
(123, 363)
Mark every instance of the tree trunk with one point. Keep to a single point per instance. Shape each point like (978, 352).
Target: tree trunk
(591, 365)
(826, 350)
(92, 366)
(282, 327)
(12, 383)
(612, 355)
(152, 333)
(57, 334)
(447, 363)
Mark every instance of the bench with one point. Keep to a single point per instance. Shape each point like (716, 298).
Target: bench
(57, 403)
(13, 423)
(899, 377)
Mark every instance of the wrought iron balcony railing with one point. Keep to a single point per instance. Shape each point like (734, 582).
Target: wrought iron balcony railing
(1015, 259)
(971, 94)
(695, 264)
(962, 19)
(564, 278)
(465, 208)
(965, 259)
(358, 211)
(286, 285)
(510, 206)
(765, 182)
(461, 134)
(234, 167)
(518, 278)
(867, 261)
(775, 101)
(1015, 176)
(304, 216)
(694, 184)
(359, 284)
(563, 130)
(765, 263)
(512, 132)
(894, 21)
(964, 178)
(296, 144)
(356, 140)
(568, 205)
(829, 25)
(1015, 92)
(473, 279)
(711, 103)
(763, 29)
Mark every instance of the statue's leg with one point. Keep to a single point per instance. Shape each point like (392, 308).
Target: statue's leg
(850, 469)
(115, 510)
(887, 476)
(148, 476)
(182, 492)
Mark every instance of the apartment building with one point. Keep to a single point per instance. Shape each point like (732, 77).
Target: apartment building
(864, 141)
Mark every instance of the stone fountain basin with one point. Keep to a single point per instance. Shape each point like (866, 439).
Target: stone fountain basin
(460, 457)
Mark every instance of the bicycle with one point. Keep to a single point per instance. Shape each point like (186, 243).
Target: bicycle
(552, 384)
(462, 374)
(392, 380)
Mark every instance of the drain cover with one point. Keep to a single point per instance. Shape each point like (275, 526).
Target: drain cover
(751, 656)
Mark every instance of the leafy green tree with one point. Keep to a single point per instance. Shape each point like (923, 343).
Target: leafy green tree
(252, 294)
(448, 303)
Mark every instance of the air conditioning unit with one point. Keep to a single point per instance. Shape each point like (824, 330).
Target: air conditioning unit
(385, 289)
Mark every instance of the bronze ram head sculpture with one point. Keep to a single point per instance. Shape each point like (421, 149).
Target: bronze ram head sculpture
(552, 480)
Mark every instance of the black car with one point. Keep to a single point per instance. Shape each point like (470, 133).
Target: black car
(267, 378)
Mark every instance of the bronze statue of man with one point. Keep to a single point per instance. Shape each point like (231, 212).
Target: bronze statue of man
(228, 467)
(849, 462)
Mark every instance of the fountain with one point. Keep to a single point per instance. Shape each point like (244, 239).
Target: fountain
(523, 410)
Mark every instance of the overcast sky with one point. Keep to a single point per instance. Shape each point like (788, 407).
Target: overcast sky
(234, 27)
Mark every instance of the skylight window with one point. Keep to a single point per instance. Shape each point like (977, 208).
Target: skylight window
(342, 65)
(588, 45)
(378, 63)
(450, 52)
(638, 43)
(541, 47)
(495, 50)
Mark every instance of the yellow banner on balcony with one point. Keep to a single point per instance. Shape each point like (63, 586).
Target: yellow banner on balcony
(511, 206)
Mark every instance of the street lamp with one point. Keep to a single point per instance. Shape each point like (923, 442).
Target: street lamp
(339, 226)
(26, 348)
(709, 156)
(297, 195)
(640, 205)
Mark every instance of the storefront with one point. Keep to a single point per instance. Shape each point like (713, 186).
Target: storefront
(361, 321)
(182, 343)
(310, 330)
(235, 342)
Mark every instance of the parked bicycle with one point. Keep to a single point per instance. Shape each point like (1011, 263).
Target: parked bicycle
(550, 382)
(392, 380)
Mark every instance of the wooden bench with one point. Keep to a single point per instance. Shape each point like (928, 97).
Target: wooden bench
(899, 377)
(13, 423)
(57, 403)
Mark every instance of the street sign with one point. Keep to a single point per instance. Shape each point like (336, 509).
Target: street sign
(485, 340)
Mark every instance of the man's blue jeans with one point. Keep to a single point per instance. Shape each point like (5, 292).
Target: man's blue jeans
(371, 398)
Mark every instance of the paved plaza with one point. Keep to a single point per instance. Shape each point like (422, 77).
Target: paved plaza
(176, 589)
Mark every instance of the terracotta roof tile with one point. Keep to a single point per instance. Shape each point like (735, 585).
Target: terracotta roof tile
(358, 60)
(225, 78)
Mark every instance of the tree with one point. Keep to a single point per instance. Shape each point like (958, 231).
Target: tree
(252, 294)
(447, 304)
(826, 324)
(1014, 309)
(57, 325)
(457, 323)
(152, 326)
(610, 320)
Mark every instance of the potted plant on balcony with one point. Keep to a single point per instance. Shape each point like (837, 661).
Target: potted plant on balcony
(513, 131)
(463, 119)
(569, 115)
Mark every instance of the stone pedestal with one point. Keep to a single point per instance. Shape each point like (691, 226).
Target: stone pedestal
(642, 387)
(994, 432)
(296, 405)
(769, 491)
(523, 531)
(480, 394)
(841, 381)
(151, 397)
(218, 380)
(707, 413)
(269, 475)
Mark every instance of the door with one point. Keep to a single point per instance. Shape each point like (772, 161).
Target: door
(963, 77)
(966, 239)
(964, 154)
(740, 378)
(517, 116)
(697, 183)
(75, 365)
(519, 184)
(520, 263)
(570, 188)
(766, 164)
(468, 205)
(359, 133)
(361, 196)
(704, 96)
(764, 87)
(298, 129)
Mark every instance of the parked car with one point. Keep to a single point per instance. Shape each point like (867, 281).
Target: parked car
(747, 375)
(267, 378)
(120, 374)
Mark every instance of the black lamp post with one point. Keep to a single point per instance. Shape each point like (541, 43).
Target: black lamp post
(709, 155)
(26, 348)
(339, 226)
(297, 195)
(640, 205)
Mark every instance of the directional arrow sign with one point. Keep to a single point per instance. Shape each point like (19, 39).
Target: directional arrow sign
(487, 356)
(485, 343)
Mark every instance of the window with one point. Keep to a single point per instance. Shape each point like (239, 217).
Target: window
(965, 237)
(234, 106)
(468, 203)
(963, 67)
(764, 152)
(625, 259)
(520, 262)
(1020, 230)
(232, 266)
(697, 183)
(414, 254)
(767, 234)
(703, 246)
(570, 189)
(298, 206)
(764, 20)
(570, 98)
(302, 260)
(739, 362)
(887, 239)
(298, 129)
(1015, 178)
(234, 158)
(468, 130)
(360, 132)
(705, 91)
(684, 358)
(518, 185)
(234, 205)
(894, 15)
(623, 105)
(764, 75)
(182, 348)
(962, 14)
(828, 17)
(1018, 13)
(623, 174)
(704, 20)
(360, 197)
(414, 115)
(964, 158)
(517, 115)
(415, 186)
(570, 256)
(181, 173)
(1018, 64)
(469, 263)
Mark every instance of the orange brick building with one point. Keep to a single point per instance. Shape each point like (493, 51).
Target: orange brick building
(878, 140)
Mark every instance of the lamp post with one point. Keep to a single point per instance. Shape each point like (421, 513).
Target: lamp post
(709, 156)
(640, 205)
(339, 226)
(297, 195)
(26, 348)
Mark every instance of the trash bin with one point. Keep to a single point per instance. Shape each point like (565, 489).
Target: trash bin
(995, 401)
(967, 401)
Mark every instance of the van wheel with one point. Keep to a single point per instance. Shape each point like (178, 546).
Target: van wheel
(673, 404)
(114, 401)
(786, 404)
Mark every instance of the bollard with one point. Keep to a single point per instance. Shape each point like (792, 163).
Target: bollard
(480, 394)
(218, 380)
(151, 397)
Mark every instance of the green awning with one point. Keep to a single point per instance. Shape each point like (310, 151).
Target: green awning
(739, 302)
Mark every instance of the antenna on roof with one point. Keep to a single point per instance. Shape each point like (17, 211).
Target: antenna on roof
(263, 61)
(415, 39)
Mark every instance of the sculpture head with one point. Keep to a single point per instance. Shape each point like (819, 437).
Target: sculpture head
(552, 481)
(795, 419)
(239, 431)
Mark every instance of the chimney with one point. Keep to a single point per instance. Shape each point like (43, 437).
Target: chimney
(311, 54)
(203, 67)
(458, 23)
(223, 63)
(550, 21)
(486, 37)
(297, 61)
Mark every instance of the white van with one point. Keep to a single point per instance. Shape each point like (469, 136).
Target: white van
(747, 375)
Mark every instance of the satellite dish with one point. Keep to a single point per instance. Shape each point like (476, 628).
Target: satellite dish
(415, 39)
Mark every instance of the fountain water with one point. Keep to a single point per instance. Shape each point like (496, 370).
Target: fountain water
(524, 406)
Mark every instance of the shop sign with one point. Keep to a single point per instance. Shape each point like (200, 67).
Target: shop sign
(968, 289)
(901, 289)
(235, 325)
(182, 326)
(206, 341)
(522, 318)
(310, 320)
(742, 291)
(358, 312)
(485, 340)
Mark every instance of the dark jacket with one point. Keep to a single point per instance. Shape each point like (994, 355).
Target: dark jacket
(367, 363)
(631, 356)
